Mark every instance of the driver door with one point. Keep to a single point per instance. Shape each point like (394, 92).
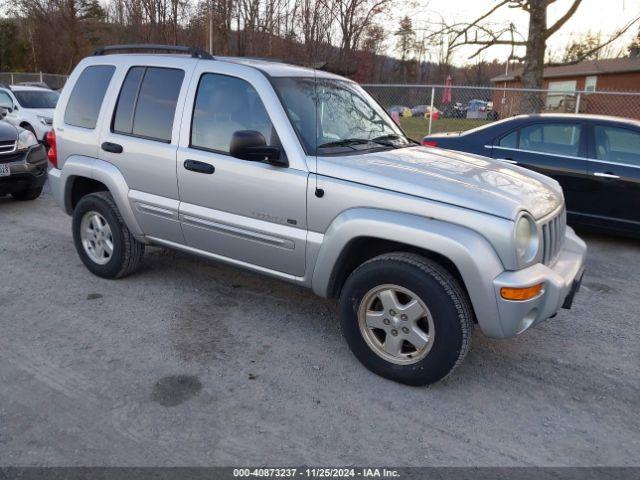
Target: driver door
(245, 211)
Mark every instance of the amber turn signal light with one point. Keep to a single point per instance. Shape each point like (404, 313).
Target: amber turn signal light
(525, 293)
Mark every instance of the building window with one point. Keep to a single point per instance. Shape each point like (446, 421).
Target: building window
(561, 95)
(590, 83)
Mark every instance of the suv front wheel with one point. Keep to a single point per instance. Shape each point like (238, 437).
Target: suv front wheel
(406, 318)
(103, 241)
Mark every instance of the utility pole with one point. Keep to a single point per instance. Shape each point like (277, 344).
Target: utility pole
(210, 27)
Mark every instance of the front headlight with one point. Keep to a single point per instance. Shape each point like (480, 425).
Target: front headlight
(26, 139)
(526, 239)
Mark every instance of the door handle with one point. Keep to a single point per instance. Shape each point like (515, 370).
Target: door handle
(507, 160)
(111, 147)
(605, 175)
(199, 167)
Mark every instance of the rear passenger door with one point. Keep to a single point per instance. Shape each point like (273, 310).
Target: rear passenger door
(556, 149)
(615, 171)
(142, 140)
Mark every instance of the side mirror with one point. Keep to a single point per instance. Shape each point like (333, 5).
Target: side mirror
(251, 145)
(3, 111)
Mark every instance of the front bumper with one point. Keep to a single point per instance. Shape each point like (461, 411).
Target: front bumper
(560, 283)
(27, 169)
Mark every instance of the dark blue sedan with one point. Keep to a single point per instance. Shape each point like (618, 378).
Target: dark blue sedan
(596, 159)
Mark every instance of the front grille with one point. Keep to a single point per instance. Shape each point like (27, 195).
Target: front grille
(553, 231)
(7, 146)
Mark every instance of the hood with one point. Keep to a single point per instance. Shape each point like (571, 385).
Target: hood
(45, 112)
(8, 133)
(469, 181)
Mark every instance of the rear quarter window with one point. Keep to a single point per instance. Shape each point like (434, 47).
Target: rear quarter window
(510, 140)
(87, 95)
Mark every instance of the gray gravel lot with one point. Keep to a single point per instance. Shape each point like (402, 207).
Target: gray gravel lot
(194, 363)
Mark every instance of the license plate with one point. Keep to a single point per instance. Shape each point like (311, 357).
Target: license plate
(4, 170)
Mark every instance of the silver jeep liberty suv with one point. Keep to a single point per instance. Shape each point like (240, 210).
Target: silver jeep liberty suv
(299, 174)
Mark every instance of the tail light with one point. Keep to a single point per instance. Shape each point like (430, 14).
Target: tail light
(429, 143)
(52, 153)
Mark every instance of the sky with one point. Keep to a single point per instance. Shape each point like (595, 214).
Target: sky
(605, 16)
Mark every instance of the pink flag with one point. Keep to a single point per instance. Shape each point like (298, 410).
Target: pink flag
(446, 95)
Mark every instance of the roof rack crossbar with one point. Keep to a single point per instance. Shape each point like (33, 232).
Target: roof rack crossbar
(194, 52)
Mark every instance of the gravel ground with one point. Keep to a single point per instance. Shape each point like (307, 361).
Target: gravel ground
(193, 363)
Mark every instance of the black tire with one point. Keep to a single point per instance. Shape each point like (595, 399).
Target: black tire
(439, 291)
(28, 194)
(127, 251)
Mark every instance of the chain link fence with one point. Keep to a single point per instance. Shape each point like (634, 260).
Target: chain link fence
(424, 109)
(51, 80)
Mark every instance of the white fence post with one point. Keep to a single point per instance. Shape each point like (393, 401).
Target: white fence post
(12, 82)
(433, 91)
(578, 103)
(41, 77)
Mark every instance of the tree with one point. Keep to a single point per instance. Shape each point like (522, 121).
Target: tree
(634, 46)
(483, 34)
(353, 18)
(12, 48)
(406, 38)
(588, 47)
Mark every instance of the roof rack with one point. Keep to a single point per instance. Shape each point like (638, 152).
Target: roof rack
(194, 52)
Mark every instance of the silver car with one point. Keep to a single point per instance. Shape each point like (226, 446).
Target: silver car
(298, 174)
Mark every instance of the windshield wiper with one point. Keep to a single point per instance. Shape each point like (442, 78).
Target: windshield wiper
(345, 142)
(389, 140)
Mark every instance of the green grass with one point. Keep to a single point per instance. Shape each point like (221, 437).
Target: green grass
(418, 127)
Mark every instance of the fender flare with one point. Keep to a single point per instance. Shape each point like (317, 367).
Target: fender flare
(471, 253)
(103, 172)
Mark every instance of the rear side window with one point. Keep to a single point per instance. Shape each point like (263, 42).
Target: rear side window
(618, 145)
(147, 102)
(87, 95)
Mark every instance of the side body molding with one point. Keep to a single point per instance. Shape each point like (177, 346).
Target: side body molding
(104, 172)
(474, 257)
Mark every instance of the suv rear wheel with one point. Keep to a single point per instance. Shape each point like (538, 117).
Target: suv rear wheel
(406, 318)
(103, 241)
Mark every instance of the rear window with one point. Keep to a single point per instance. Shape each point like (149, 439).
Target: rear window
(37, 98)
(87, 95)
(147, 103)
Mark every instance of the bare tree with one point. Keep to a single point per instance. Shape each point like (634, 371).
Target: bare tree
(483, 34)
(353, 18)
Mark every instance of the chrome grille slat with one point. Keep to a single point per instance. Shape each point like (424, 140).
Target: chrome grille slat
(7, 147)
(553, 232)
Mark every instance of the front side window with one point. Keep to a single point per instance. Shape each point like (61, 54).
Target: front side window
(558, 139)
(5, 100)
(147, 103)
(37, 98)
(225, 105)
(87, 95)
(336, 116)
(618, 145)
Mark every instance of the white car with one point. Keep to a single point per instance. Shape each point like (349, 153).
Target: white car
(29, 107)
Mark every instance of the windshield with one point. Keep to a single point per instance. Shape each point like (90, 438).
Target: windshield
(37, 98)
(336, 116)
